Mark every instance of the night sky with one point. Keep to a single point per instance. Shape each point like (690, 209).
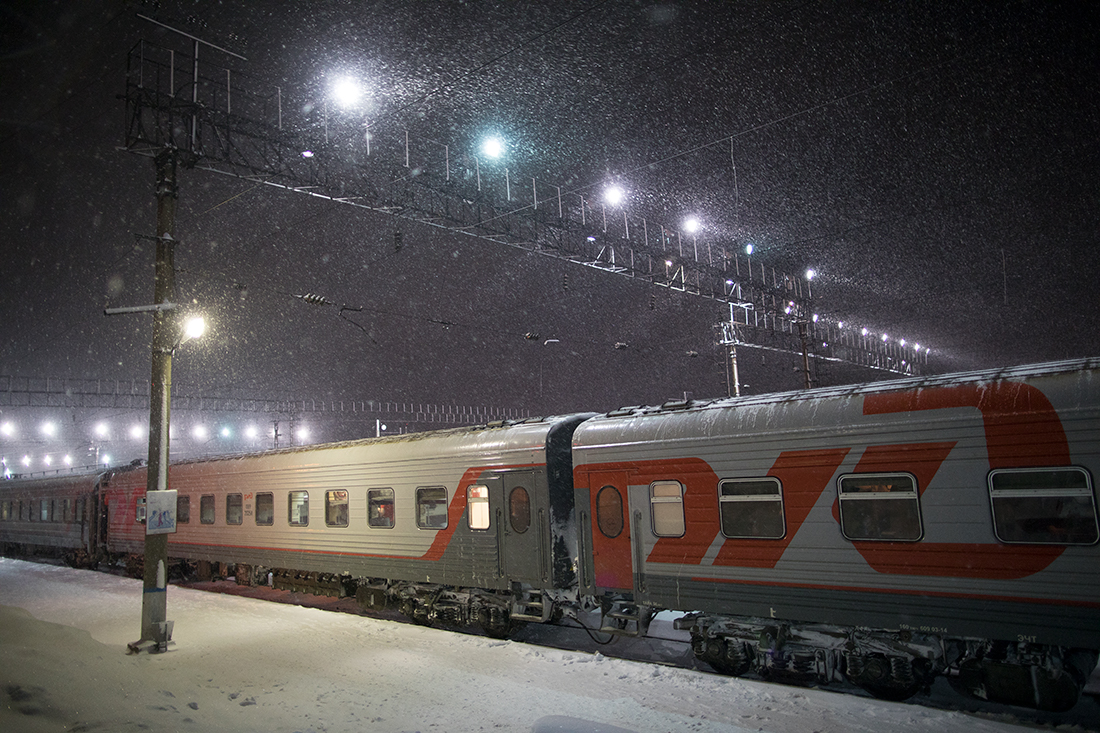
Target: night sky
(935, 163)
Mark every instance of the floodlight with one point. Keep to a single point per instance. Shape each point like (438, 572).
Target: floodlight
(613, 195)
(493, 147)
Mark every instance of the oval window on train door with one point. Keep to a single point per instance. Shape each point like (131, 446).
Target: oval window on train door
(609, 511)
(519, 509)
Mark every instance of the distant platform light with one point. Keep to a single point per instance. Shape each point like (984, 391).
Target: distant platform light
(749, 248)
(7, 429)
(303, 433)
(493, 147)
(250, 432)
(840, 324)
(106, 459)
(591, 239)
(226, 432)
(885, 337)
(307, 153)
(49, 429)
(902, 342)
(614, 195)
(815, 318)
(810, 274)
(47, 460)
(692, 225)
(136, 432)
(26, 460)
(916, 347)
(199, 431)
(102, 430)
(68, 460)
(865, 332)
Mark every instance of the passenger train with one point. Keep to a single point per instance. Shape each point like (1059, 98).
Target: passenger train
(883, 534)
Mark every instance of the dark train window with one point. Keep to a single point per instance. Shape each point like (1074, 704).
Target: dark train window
(431, 507)
(206, 509)
(183, 509)
(519, 509)
(752, 508)
(477, 507)
(880, 506)
(63, 512)
(609, 511)
(1043, 506)
(380, 508)
(298, 508)
(234, 509)
(666, 504)
(336, 508)
(265, 509)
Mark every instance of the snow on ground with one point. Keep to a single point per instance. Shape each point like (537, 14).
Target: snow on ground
(243, 664)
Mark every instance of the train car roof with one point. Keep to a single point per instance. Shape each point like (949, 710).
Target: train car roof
(775, 400)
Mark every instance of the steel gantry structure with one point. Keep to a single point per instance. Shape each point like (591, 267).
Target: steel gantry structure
(216, 119)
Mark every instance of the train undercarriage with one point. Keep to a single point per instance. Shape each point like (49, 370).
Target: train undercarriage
(892, 665)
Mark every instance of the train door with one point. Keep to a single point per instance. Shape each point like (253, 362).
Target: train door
(610, 521)
(519, 518)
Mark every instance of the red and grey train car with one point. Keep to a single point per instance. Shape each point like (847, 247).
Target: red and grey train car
(883, 534)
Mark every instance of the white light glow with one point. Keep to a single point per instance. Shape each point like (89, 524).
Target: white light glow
(226, 432)
(26, 460)
(885, 337)
(47, 460)
(68, 460)
(346, 91)
(106, 460)
(195, 327)
(864, 332)
(749, 248)
(199, 431)
(7, 429)
(102, 430)
(136, 432)
(810, 274)
(613, 195)
(303, 433)
(49, 429)
(493, 147)
(250, 432)
(691, 225)
(307, 153)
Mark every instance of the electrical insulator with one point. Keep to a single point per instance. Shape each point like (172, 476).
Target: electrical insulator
(397, 241)
(653, 301)
(531, 336)
(314, 299)
(565, 281)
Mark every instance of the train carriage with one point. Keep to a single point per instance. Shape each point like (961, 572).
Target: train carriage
(953, 512)
(53, 516)
(412, 516)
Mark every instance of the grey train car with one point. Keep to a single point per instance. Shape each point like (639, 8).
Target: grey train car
(883, 534)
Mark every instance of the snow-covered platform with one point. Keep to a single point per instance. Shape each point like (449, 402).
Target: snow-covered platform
(242, 664)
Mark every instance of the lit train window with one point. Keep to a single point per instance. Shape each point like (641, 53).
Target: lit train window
(265, 509)
(880, 506)
(234, 509)
(1043, 506)
(5, 510)
(477, 507)
(519, 509)
(666, 501)
(336, 508)
(752, 508)
(609, 511)
(380, 508)
(45, 511)
(183, 509)
(431, 507)
(140, 510)
(206, 509)
(298, 508)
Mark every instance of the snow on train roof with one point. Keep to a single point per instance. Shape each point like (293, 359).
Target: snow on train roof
(985, 376)
(521, 432)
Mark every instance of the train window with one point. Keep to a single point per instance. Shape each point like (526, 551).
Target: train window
(265, 509)
(477, 507)
(752, 508)
(183, 509)
(380, 508)
(140, 510)
(336, 508)
(609, 511)
(880, 506)
(431, 507)
(519, 509)
(63, 513)
(234, 509)
(206, 509)
(5, 510)
(666, 502)
(1043, 506)
(44, 511)
(298, 508)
